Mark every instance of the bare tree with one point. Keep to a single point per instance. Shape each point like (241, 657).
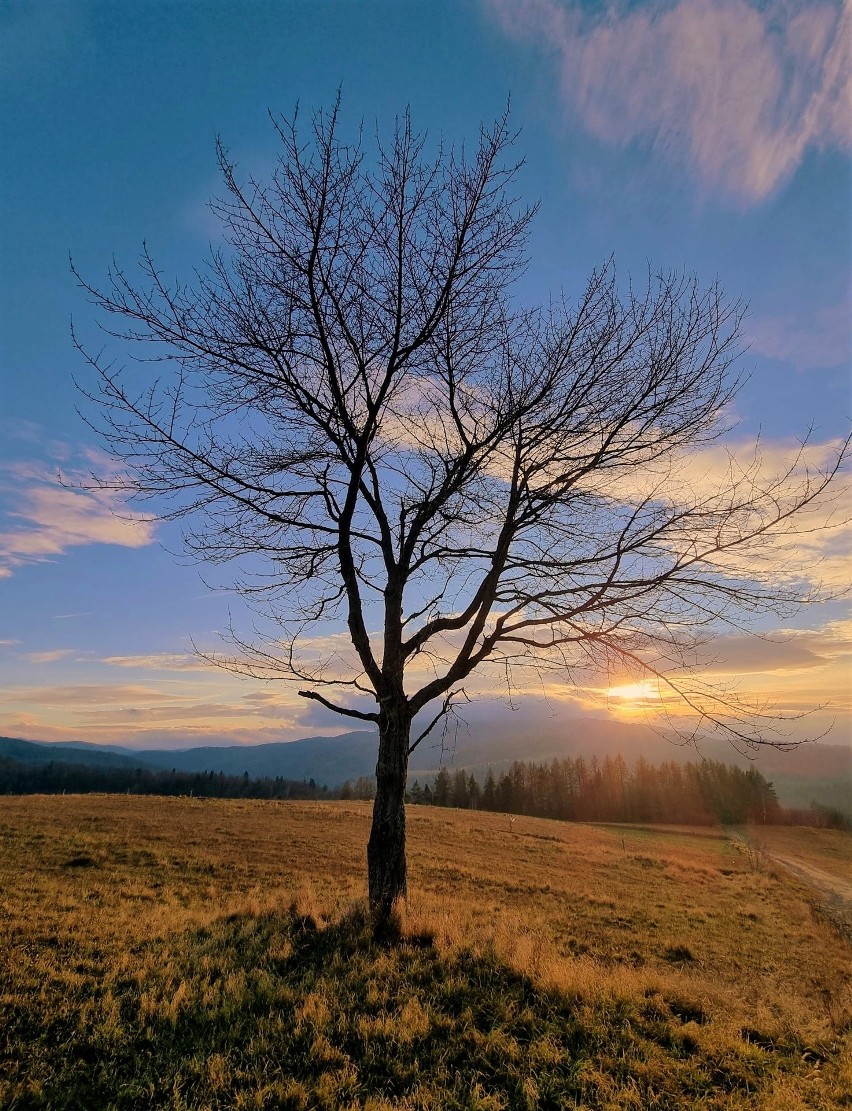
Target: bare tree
(348, 400)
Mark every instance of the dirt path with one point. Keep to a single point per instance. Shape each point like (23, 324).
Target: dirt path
(835, 893)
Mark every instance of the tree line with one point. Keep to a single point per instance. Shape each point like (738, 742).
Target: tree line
(55, 777)
(705, 793)
(581, 790)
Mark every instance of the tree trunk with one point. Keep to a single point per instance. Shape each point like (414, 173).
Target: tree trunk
(386, 864)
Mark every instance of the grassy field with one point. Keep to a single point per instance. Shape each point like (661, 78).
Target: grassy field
(213, 954)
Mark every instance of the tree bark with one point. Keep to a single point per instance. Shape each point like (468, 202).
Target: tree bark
(386, 865)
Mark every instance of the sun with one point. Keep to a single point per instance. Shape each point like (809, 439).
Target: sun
(644, 691)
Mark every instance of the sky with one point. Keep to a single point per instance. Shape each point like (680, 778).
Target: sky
(710, 135)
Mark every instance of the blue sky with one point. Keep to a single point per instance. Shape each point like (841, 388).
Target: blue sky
(706, 134)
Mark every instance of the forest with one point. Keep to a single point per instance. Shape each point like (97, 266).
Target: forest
(56, 777)
(589, 790)
(581, 790)
(573, 790)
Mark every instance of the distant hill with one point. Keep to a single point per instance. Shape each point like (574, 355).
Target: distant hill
(812, 772)
(43, 752)
(327, 760)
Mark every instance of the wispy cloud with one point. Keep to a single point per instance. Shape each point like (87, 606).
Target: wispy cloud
(805, 339)
(166, 712)
(84, 695)
(812, 546)
(131, 717)
(45, 518)
(162, 661)
(781, 653)
(735, 90)
(49, 657)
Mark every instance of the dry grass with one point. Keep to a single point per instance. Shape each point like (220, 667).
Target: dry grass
(192, 954)
(826, 849)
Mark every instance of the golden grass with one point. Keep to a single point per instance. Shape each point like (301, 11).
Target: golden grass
(830, 850)
(186, 953)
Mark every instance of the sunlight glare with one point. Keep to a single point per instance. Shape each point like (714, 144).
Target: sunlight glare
(635, 692)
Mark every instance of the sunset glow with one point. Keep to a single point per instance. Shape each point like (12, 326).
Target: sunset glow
(645, 691)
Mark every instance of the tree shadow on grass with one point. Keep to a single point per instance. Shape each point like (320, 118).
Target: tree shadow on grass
(274, 1011)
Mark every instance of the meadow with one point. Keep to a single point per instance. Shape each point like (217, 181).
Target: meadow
(186, 953)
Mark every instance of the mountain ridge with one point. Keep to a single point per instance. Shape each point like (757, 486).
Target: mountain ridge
(811, 772)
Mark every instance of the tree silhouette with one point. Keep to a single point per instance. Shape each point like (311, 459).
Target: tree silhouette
(347, 399)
